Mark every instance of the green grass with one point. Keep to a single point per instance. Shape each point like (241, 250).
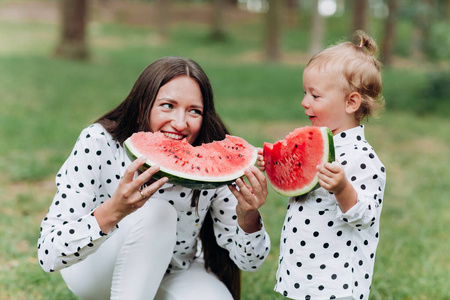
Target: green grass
(46, 102)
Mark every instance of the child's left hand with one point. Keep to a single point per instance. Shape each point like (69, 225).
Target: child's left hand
(331, 176)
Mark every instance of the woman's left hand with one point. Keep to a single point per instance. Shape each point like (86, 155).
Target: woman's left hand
(250, 198)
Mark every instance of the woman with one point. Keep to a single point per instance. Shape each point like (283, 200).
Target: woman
(118, 234)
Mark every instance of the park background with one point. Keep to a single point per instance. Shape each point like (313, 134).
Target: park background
(58, 74)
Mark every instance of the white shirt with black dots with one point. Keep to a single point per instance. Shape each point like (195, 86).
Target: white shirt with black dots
(91, 174)
(328, 254)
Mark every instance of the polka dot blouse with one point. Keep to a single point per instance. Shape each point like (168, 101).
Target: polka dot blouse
(328, 254)
(70, 232)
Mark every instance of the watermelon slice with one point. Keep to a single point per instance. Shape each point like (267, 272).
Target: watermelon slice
(291, 163)
(207, 166)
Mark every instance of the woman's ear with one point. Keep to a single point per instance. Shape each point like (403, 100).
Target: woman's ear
(353, 102)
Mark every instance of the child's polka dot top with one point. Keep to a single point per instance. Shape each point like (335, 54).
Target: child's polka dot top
(328, 254)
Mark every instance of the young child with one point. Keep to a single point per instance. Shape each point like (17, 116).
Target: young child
(329, 237)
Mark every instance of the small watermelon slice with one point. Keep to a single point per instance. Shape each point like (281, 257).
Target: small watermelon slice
(206, 166)
(291, 163)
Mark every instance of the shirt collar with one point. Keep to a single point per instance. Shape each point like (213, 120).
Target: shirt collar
(349, 136)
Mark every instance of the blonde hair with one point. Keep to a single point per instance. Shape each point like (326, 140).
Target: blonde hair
(360, 69)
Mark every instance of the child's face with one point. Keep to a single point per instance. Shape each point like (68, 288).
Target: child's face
(178, 109)
(325, 100)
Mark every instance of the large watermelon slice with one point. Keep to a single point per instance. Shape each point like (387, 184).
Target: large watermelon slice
(291, 163)
(206, 166)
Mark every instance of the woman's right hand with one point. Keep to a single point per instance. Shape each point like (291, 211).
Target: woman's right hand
(130, 195)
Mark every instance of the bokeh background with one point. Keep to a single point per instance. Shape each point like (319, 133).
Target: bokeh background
(63, 63)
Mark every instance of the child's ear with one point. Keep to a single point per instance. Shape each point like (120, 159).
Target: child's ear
(353, 102)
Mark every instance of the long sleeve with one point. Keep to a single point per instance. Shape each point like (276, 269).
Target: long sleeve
(247, 250)
(367, 175)
(70, 232)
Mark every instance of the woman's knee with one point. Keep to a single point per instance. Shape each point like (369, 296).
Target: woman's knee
(160, 212)
(193, 283)
(157, 218)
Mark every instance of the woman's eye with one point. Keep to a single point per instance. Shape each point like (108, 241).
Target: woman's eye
(196, 112)
(167, 105)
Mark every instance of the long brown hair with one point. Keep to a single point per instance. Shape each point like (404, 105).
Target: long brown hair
(133, 115)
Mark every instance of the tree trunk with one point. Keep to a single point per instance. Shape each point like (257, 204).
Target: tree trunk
(389, 33)
(232, 2)
(447, 10)
(163, 17)
(292, 7)
(72, 43)
(317, 30)
(420, 31)
(360, 15)
(273, 28)
(218, 27)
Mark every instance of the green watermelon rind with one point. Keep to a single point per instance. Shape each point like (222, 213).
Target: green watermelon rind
(188, 181)
(327, 136)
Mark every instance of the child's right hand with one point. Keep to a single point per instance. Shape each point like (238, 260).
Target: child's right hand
(260, 160)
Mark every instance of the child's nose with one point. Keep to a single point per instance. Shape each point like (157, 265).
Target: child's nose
(305, 103)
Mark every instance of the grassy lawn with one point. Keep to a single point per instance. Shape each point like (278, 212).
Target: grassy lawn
(46, 102)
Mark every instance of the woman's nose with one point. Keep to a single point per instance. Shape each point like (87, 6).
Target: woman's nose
(179, 122)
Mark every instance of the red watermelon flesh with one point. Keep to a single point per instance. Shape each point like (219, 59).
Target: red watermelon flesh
(291, 164)
(206, 166)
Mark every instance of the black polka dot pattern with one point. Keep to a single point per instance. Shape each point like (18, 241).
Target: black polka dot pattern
(70, 232)
(327, 254)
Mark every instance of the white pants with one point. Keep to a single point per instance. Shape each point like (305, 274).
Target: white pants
(131, 264)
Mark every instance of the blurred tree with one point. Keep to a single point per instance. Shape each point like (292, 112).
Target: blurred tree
(317, 30)
(163, 18)
(389, 33)
(218, 28)
(360, 15)
(446, 9)
(421, 18)
(72, 43)
(292, 7)
(232, 2)
(273, 30)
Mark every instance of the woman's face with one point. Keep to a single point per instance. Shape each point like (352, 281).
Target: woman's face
(178, 109)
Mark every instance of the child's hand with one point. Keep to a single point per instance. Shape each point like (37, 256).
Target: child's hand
(260, 161)
(331, 176)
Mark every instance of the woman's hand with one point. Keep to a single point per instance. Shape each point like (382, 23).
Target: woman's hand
(130, 195)
(250, 198)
